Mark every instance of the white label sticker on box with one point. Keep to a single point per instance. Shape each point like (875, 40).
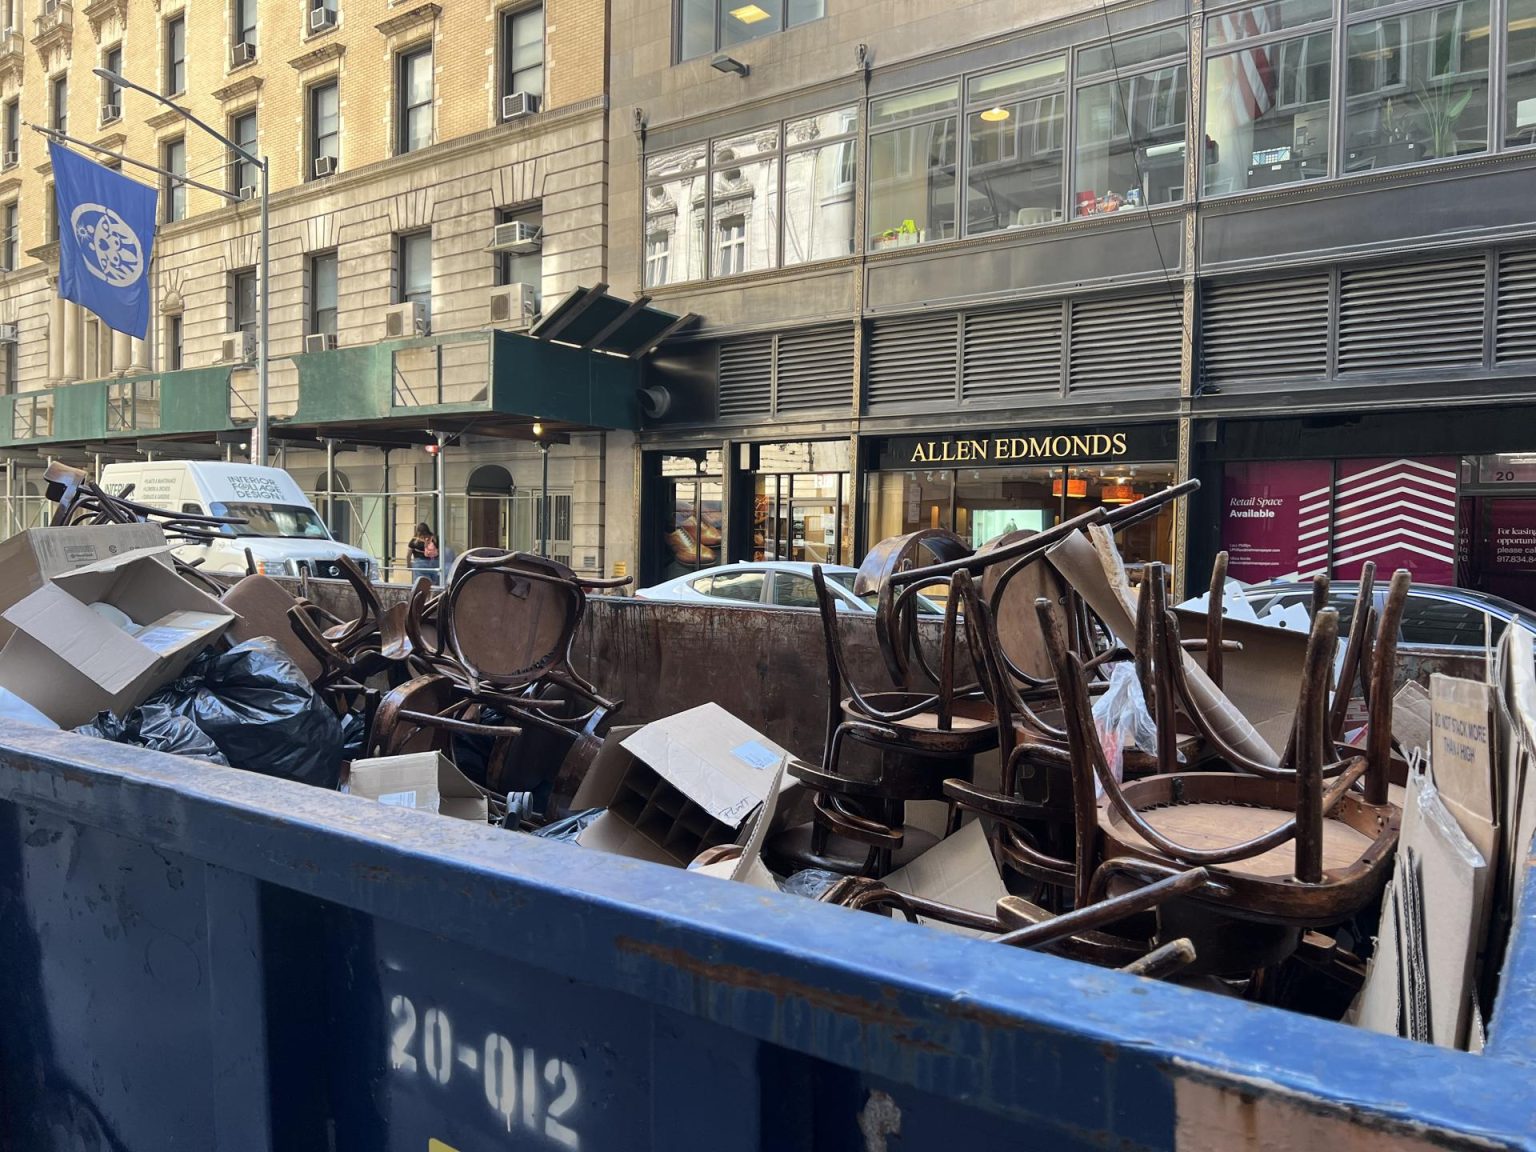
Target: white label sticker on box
(399, 799)
(755, 755)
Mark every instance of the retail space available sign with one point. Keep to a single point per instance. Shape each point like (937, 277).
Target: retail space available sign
(1293, 519)
(1263, 509)
(1026, 446)
(1511, 545)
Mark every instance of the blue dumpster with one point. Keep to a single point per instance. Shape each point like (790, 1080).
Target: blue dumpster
(198, 958)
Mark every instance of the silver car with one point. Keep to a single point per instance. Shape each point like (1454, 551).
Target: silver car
(773, 583)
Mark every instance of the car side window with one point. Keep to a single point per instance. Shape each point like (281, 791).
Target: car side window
(192, 507)
(744, 586)
(701, 585)
(793, 590)
(1441, 623)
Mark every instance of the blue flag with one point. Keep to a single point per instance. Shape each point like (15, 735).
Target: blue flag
(106, 235)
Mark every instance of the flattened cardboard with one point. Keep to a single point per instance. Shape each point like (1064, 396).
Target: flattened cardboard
(959, 871)
(679, 785)
(1263, 679)
(1411, 718)
(427, 781)
(29, 559)
(70, 663)
(749, 868)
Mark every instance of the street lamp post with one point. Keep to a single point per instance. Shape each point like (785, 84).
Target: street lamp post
(259, 437)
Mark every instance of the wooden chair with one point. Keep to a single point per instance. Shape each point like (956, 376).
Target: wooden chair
(920, 736)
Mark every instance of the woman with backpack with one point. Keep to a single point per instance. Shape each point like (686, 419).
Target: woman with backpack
(423, 553)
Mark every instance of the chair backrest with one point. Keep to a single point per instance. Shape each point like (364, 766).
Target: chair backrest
(1011, 590)
(261, 606)
(896, 608)
(511, 618)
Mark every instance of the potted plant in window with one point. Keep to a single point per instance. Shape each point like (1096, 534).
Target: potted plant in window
(1442, 106)
(901, 237)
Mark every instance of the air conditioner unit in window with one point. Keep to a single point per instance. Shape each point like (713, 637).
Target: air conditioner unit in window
(325, 165)
(7, 34)
(110, 112)
(518, 104)
(516, 236)
(247, 192)
(319, 342)
(238, 348)
(513, 306)
(405, 320)
(7, 333)
(321, 18)
(12, 159)
(241, 53)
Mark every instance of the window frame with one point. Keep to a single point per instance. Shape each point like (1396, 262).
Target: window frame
(170, 355)
(173, 192)
(717, 43)
(403, 266)
(312, 134)
(10, 234)
(404, 107)
(111, 91)
(244, 16)
(506, 22)
(175, 55)
(239, 166)
(505, 260)
(315, 318)
(12, 129)
(58, 97)
(239, 321)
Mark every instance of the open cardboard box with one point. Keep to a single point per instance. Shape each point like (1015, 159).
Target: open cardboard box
(29, 559)
(424, 780)
(681, 784)
(70, 663)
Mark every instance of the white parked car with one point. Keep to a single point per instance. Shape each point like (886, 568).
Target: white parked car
(774, 583)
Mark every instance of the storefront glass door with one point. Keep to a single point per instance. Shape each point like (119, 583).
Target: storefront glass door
(690, 515)
(800, 508)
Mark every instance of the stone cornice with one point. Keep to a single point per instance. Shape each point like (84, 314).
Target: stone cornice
(233, 91)
(413, 18)
(163, 119)
(55, 29)
(322, 55)
(97, 12)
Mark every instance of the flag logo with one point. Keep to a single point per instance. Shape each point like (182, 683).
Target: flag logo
(108, 247)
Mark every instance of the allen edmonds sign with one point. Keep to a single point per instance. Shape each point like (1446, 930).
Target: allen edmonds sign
(1144, 442)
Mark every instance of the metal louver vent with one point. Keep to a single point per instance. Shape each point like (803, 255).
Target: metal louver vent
(815, 370)
(1411, 316)
(1265, 329)
(746, 377)
(1125, 343)
(1012, 355)
(1514, 334)
(913, 360)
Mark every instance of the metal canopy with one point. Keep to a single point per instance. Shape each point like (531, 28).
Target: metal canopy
(592, 319)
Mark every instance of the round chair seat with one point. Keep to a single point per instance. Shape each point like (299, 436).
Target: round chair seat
(973, 723)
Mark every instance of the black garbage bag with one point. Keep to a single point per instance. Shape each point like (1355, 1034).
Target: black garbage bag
(259, 708)
(158, 728)
(354, 733)
(570, 827)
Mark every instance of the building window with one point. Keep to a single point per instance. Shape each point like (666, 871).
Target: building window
(1129, 147)
(658, 250)
(322, 293)
(522, 267)
(1267, 99)
(245, 28)
(61, 104)
(12, 367)
(1416, 87)
(171, 359)
(731, 246)
(175, 55)
(319, 23)
(912, 167)
(413, 88)
(1519, 74)
(12, 133)
(50, 215)
(244, 173)
(243, 294)
(705, 26)
(10, 249)
(414, 283)
(1015, 137)
(111, 90)
(324, 126)
(173, 158)
(819, 171)
(522, 51)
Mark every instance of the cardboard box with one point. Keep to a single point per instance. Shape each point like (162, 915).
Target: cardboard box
(679, 785)
(29, 559)
(749, 868)
(959, 871)
(70, 663)
(427, 781)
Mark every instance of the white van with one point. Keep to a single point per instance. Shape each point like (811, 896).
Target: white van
(284, 533)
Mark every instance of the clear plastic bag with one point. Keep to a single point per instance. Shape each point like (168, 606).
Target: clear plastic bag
(1122, 719)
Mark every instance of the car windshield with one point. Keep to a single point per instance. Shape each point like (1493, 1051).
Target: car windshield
(288, 521)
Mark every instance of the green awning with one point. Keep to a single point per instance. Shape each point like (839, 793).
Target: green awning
(592, 319)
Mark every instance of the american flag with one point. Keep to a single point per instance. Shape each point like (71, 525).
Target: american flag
(1253, 70)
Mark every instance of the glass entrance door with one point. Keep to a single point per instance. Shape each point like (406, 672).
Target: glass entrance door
(800, 503)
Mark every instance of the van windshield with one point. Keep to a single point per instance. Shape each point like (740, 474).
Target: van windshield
(285, 520)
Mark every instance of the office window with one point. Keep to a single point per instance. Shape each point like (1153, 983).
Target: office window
(415, 270)
(324, 124)
(819, 168)
(705, 26)
(243, 293)
(10, 249)
(658, 251)
(12, 133)
(744, 202)
(173, 158)
(522, 51)
(12, 367)
(322, 293)
(1129, 150)
(1519, 75)
(1015, 144)
(111, 91)
(175, 55)
(413, 102)
(1267, 103)
(171, 357)
(522, 267)
(61, 104)
(245, 23)
(1416, 87)
(912, 167)
(243, 173)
